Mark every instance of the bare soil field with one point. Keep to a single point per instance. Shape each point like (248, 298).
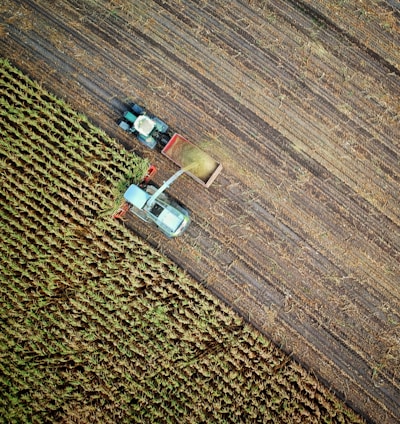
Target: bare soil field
(300, 103)
(96, 326)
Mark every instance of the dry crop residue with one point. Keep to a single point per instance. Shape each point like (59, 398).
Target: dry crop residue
(96, 325)
(300, 232)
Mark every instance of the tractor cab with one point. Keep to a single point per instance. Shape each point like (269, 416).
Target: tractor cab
(144, 125)
(148, 129)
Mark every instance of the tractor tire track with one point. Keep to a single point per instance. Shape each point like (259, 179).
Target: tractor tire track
(292, 235)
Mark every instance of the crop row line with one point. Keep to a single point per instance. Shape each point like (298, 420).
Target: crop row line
(45, 203)
(64, 191)
(110, 171)
(72, 141)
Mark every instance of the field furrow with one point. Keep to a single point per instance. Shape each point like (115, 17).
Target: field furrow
(95, 320)
(297, 100)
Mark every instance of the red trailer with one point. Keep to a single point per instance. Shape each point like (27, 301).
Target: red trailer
(197, 163)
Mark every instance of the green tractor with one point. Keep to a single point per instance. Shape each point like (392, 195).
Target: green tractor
(147, 128)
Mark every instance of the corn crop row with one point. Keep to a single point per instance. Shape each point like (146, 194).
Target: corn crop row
(97, 326)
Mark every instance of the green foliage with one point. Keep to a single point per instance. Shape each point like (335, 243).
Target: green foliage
(95, 325)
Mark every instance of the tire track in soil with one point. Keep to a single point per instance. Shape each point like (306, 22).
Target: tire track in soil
(336, 112)
(381, 53)
(226, 123)
(243, 273)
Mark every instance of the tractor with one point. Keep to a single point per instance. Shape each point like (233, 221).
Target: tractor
(147, 128)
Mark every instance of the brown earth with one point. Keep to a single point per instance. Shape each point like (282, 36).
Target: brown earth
(300, 103)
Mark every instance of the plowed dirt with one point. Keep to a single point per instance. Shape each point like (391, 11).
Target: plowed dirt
(300, 103)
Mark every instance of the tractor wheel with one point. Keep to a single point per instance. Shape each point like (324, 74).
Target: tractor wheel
(137, 110)
(164, 139)
(124, 125)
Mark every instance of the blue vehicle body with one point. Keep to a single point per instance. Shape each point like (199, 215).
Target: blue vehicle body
(147, 128)
(151, 204)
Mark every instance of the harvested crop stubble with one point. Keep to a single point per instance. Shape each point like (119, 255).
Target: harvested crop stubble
(97, 326)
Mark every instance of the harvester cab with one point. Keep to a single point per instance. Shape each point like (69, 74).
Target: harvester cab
(152, 204)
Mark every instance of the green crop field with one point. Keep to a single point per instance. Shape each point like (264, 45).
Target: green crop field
(97, 326)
